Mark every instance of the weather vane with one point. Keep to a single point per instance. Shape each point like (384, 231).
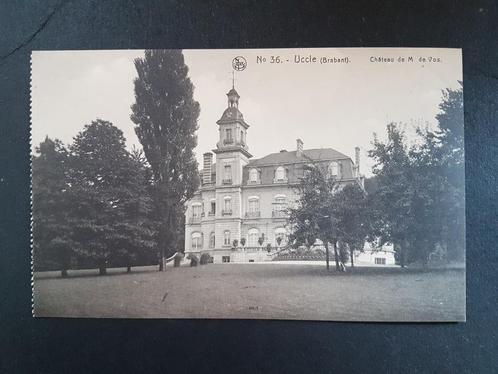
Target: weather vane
(233, 78)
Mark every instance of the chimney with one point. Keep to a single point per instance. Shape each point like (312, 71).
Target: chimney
(207, 166)
(299, 150)
(357, 160)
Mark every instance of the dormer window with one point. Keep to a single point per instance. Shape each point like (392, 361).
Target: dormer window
(253, 176)
(334, 169)
(280, 175)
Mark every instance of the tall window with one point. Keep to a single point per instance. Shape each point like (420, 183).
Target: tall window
(280, 173)
(196, 211)
(212, 240)
(213, 208)
(280, 202)
(242, 137)
(196, 241)
(227, 204)
(226, 237)
(334, 169)
(253, 175)
(229, 138)
(227, 173)
(253, 204)
(380, 260)
(253, 236)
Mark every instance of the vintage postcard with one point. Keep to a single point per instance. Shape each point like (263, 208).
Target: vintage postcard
(309, 184)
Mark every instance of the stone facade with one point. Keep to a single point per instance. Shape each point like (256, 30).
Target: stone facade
(245, 199)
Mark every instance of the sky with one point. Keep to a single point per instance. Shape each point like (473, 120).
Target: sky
(327, 105)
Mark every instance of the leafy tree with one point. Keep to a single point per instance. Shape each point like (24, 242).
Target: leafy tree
(418, 201)
(393, 203)
(450, 137)
(315, 216)
(138, 242)
(109, 197)
(353, 223)
(165, 114)
(52, 242)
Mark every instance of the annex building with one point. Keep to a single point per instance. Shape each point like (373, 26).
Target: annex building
(240, 207)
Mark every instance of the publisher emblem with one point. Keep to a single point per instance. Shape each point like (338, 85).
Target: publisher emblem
(239, 63)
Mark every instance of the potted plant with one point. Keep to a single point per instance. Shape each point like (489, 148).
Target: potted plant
(243, 242)
(235, 243)
(261, 240)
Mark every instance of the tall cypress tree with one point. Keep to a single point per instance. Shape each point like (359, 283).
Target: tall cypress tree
(165, 114)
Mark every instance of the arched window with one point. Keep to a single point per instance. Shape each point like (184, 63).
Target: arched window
(196, 241)
(280, 201)
(253, 175)
(226, 237)
(334, 169)
(212, 240)
(280, 236)
(279, 206)
(253, 204)
(280, 174)
(253, 236)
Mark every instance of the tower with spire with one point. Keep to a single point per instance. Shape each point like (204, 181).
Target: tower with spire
(240, 208)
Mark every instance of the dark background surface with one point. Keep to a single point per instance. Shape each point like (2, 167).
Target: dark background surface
(70, 346)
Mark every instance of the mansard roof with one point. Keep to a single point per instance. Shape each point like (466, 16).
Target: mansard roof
(285, 157)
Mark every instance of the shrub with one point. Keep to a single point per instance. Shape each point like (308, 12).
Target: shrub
(206, 259)
(243, 242)
(178, 259)
(194, 260)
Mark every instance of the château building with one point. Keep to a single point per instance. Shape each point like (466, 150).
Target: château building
(241, 205)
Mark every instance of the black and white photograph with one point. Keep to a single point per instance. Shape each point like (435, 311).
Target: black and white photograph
(291, 184)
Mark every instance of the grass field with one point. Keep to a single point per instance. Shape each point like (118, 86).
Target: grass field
(281, 291)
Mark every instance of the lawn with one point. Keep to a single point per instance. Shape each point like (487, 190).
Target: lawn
(281, 291)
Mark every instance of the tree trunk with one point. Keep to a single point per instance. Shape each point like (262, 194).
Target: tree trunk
(402, 254)
(336, 255)
(351, 253)
(327, 255)
(161, 259)
(64, 273)
(102, 270)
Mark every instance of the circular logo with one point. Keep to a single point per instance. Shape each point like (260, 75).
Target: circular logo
(239, 63)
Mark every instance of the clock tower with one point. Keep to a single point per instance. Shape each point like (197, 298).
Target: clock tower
(231, 156)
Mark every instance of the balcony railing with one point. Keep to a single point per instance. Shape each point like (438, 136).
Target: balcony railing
(211, 214)
(279, 214)
(227, 181)
(284, 180)
(194, 219)
(226, 212)
(258, 181)
(253, 214)
(228, 141)
(263, 248)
